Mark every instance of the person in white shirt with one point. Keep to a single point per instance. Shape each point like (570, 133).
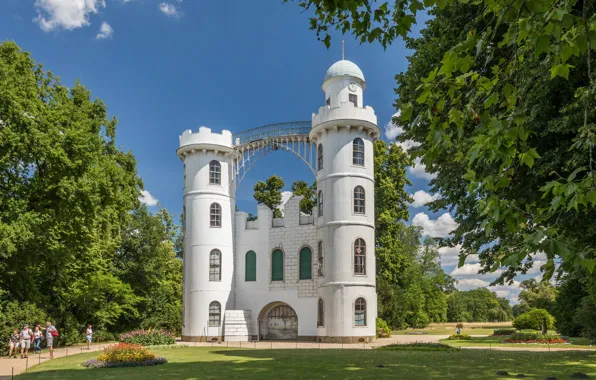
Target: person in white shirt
(88, 336)
(26, 336)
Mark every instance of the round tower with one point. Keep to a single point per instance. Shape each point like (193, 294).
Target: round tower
(208, 237)
(344, 131)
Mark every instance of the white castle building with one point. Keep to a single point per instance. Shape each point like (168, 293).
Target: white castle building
(298, 277)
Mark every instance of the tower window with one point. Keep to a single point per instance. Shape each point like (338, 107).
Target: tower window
(214, 173)
(358, 200)
(215, 215)
(277, 265)
(250, 268)
(360, 312)
(359, 256)
(321, 313)
(320, 257)
(305, 264)
(358, 152)
(320, 200)
(215, 265)
(328, 102)
(320, 157)
(354, 99)
(214, 314)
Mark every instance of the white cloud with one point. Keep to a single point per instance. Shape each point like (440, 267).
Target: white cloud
(419, 170)
(510, 292)
(441, 227)
(471, 283)
(467, 270)
(105, 31)
(170, 9)
(421, 198)
(393, 130)
(147, 198)
(65, 14)
(450, 256)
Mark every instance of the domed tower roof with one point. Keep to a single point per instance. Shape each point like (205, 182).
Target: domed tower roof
(344, 68)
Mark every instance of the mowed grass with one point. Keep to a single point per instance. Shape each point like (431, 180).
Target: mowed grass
(233, 363)
(496, 341)
(472, 328)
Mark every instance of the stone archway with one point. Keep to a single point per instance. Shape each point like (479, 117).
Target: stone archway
(278, 321)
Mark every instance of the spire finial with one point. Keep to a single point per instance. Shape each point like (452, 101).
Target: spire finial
(342, 50)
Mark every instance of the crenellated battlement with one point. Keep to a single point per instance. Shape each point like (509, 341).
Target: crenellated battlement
(346, 114)
(205, 139)
(292, 217)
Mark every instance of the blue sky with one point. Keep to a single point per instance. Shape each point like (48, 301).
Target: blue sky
(163, 67)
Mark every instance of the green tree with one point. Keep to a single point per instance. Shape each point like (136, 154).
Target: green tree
(269, 193)
(477, 305)
(538, 294)
(534, 320)
(308, 203)
(575, 305)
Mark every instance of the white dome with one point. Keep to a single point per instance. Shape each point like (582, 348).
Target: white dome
(344, 68)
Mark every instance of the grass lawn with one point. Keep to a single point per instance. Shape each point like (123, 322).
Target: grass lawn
(233, 363)
(495, 341)
(472, 328)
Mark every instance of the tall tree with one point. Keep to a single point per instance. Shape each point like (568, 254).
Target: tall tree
(269, 193)
(308, 203)
(538, 294)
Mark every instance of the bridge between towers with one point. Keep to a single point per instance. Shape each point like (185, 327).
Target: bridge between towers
(252, 145)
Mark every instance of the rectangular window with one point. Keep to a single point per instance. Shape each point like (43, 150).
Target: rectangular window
(214, 314)
(328, 102)
(354, 99)
(320, 257)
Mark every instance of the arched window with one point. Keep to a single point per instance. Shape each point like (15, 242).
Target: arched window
(215, 215)
(359, 256)
(360, 312)
(250, 268)
(277, 265)
(358, 152)
(321, 313)
(214, 314)
(214, 173)
(358, 200)
(320, 257)
(320, 200)
(319, 157)
(215, 265)
(305, 264)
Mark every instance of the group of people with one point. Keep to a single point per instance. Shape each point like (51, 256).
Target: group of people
(24, 338)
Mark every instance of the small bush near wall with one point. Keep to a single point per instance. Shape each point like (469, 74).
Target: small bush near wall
(148, 337)
(125, 355)
(381, 324)
(503, 332)
(533, 319)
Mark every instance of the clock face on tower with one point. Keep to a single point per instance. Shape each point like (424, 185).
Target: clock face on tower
(352, 87)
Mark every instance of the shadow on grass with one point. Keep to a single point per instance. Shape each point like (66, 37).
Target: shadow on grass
(218, 363)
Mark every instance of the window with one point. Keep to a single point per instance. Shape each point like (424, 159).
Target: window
(215, 265)
(359, 256)
(250, 266)
(214, 314)
(328, 102)
(358, 200)
(321, 313)
(215, 215)
(320, 157)
(358, 152)
(277, 265)
(360, 312)
(320, 257)
(214, 173)
(305, 264)
(354, 99)
(320, 200)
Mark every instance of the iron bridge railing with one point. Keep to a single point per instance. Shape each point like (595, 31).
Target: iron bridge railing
(272, 130)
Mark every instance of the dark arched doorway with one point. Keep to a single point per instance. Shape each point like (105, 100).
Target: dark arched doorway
(278, 321)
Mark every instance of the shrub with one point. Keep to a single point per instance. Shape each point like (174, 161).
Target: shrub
(502, 332)
(381, 324)
(532, 336)
(532, 320)
(148, 337)
(419, 347)
(94, 363)
(125, 352)
(459, 337)
(14, 315)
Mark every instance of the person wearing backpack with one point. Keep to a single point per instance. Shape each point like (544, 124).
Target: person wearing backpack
(51, 333)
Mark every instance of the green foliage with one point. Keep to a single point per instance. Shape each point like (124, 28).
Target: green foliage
(538, 294)
(13, 315)
(533, 320)
(459, 337)
(575, 306)
(418, 347)
(269, 194)
(477, 305)
(308, 203)
(381, 324)
(533, 337)
(148, 337)
(251, 217)
(123, 352)
(502, 332)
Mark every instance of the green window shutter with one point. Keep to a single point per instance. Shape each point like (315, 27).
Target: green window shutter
(305, 264)
(277, 265)
(250, 267)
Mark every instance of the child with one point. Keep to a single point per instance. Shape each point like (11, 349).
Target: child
(13, 344)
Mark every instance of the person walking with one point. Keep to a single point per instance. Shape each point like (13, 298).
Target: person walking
(26, 336)
(88, 336)
(37, 336)
(51, 333)
(13, 344)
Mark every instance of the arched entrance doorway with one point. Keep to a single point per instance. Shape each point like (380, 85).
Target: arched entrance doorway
(278, 321)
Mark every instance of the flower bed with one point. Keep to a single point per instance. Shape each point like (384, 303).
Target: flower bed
(459, 337)
(125, 355)
(148, 337)
(534, 337)
(504, 332)
(418, 347)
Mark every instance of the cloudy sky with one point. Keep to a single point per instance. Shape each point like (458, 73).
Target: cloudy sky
(163, 67)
